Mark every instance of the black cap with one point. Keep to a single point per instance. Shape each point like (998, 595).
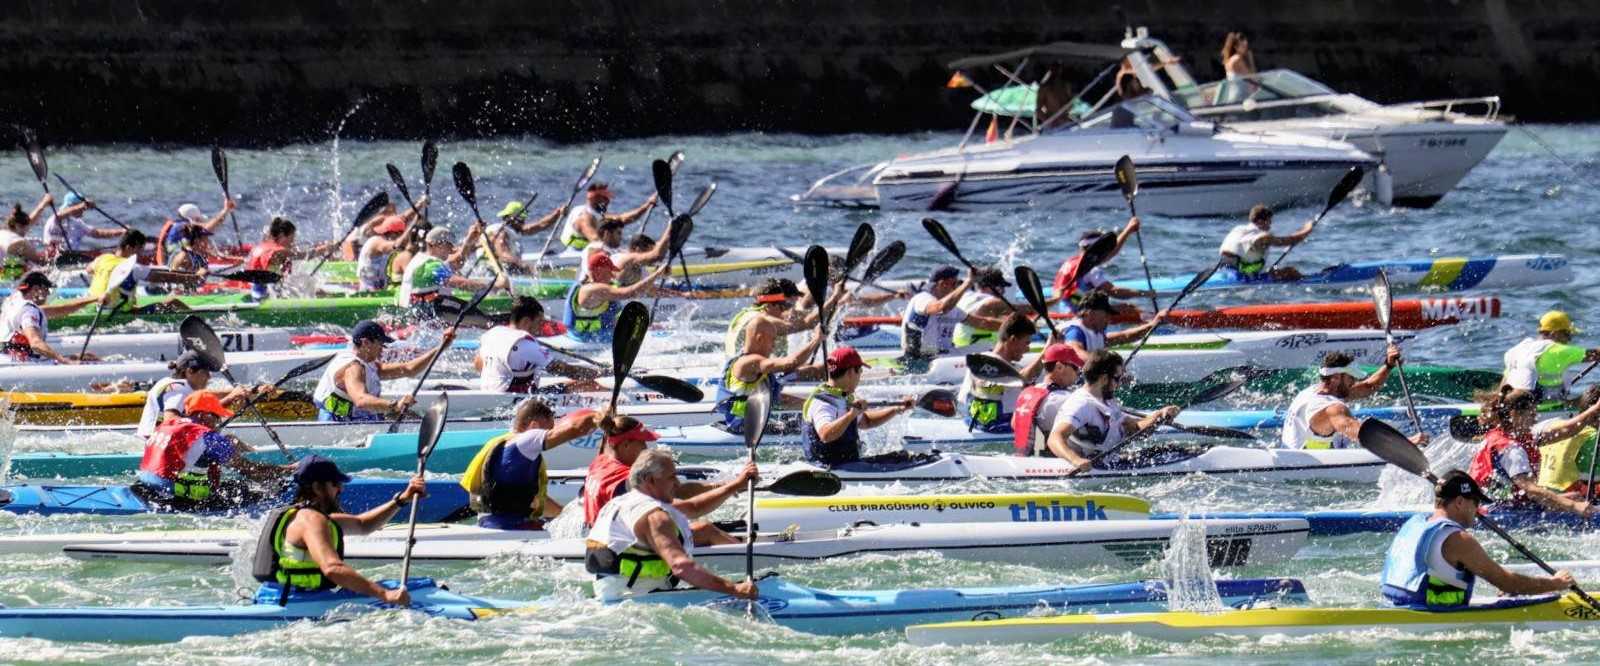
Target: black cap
(192, 360)
(944, 273)
(992, 278)
(312, 469)
(775, 286)
(1459, 484)
(369, 330)
(35, 279)
(1096, 300)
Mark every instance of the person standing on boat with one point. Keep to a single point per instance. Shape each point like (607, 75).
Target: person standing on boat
(1320, 418)
(375, 261)
(834, 416)
(429, 275)
(184, 457)
(510, 358)
(351, 385)
(1507, 466)
(505, 236)
(302, 548)
(757, 369)
(1244, 249)
(986, 302)
(66, 229)
(1564, 463)
(508, 479)
(1038, 405)
(1434, 561)
(25, 321)
(191, 373)
(1091, 422)
(17, 252)
(594, 302)
(989, 404)
(189, 215)
(1094, 279)
(626, 438)
(582, 226)
(1541, 364)
(1087, 334)
(927, 328)
(642, 542)
(1238, 66)
(115, 278)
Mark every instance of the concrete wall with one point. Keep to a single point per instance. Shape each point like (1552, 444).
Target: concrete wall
(286, 70)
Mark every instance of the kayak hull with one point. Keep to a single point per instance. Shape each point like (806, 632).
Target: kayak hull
(1430, 274)
(247, 367)
(445, 500)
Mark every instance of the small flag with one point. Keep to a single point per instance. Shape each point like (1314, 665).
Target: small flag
(958, 80)
(994, 130)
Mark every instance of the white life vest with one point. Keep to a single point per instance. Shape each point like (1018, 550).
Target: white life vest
(925, 335)
(1522, 368)
(328, 386)
(495, 347)
(158, 394)
(1092, 341)
(1243, 242)
(613, 528)
(1297, 433)
(1101, 430)
(569, 228)
(372, 268)
(15, 315)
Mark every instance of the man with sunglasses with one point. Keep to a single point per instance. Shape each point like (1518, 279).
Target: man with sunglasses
(582, 225)
(1507, 466)
(1091, 421)
(835, 417)
(24, 320)
(1087, 334)
(772, 317)
(1319, 418)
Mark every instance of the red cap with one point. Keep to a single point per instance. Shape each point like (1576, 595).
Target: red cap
(392, 224)
(638, 433)
(845, 358)
(598, 192)
(1060, 353)
(599, 259)
(203, 401)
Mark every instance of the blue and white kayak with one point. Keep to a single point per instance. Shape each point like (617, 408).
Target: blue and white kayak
(1438, 274)
(446, 499)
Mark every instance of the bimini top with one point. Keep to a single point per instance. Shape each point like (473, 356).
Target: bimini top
(1052, 52)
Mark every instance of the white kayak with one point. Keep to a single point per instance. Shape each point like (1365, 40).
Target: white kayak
(247, 367)
(1231, 542)
(818, 513)
(166, 346)
(47, 543)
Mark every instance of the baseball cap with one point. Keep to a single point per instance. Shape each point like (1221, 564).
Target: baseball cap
(637, 433)
(439, 235)
(1060, 353)
(992, 278)
(207, 403)
(944, 273)
(34, 279)
(1556, 321)
(191, 213)
(1089, 237)
(600, 260)
(312, 469)
(369, 330)
(1459, 484)
(511, 209)
(192, 360)
(1097, 300)
(72, 199)
(845, 358)
(392, 224)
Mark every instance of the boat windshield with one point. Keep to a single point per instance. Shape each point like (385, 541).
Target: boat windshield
(1150, 113)
(1271, 85)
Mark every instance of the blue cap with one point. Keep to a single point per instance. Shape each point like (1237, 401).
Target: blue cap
(72, 199)
(312, 469)
(944, 273)
(369, 330)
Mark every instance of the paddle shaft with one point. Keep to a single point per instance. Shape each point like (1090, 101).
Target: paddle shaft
(1400, 371)
(96, 209)
(238, 238)
(411, 529)
(260, 418)
(566, 212)
(1144, 262)
(1291, 248)
(580, 357)
(98, 310)
(45, 183)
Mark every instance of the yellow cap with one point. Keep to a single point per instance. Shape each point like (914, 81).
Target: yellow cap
(1556, 321)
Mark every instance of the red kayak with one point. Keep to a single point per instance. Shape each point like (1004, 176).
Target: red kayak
(1411, 315)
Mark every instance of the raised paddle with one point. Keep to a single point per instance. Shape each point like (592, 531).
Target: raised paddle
(662, 171)
(219, 166)
(96, 209)
(678, 243)
(1093, 256)
(467, 187)
(861, 245)
(41, 170)
(1033, 292)
(633, 323)
(198, 337)
(678, 232)
(99, 310)
(816, 274)
(1194, 283)
(427, 438)
(373, 205)
(1351, 179)
(1128, 179)
(1214, 393)
(882, 262)
(430, 161)
(702, 199)
(582, 182)
(1394, 448)
(672, 387)
(473, 305)
(1383, 302)
(757, 407)
(942, 237)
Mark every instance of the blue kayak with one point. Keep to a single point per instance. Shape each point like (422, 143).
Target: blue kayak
(1431, 274)
(1336, 523)
(445, 501)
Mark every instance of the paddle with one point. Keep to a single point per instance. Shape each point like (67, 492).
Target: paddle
(701, 200)
(662, 171)
(940, 402)
(632, 325)
(297, 371)
(1351, 179)
(806, 483)
(198, 337)
(942, 237)
(672, 387)
(1383, 302)
(219, 166)
(1214, 393)
(96, 209)
(252, 276)
(1128, 179)
(467, 187)
(861, 245)
(1203, 431)
(677, 243)
(989, 368)
(1394, 448)
(757, 407)
(816, 274)
(41, 170)
(1033, 292)
(427, 438)
(1093, 256)
(476, 299)
(882, 262)
(373, 205)
(582, 182)
(1194, 283)
(430, 161)
(678, 231)
(93, 325)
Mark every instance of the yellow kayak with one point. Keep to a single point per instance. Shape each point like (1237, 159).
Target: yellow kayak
(126, 407)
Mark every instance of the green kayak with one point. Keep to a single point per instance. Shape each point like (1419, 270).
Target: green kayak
(334, 310)
(1279, 386)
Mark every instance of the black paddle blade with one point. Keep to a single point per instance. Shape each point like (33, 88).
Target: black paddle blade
(1032, 289)
(1096, 253)
(219, 165)
(884, 261)
(790, 254)
(432, 426)
(662, 172)
(672, 387)
(398, 180)
(1346, 185)
(807, 483)
(371, 207)
(861, 245)
(1219, 433)
(1219, 391)
(757, 408)
(632, 325)
(35, 154)
(303, 369)
(1382, 299)
(675, 161)
(199, 338)
(989, 368)
(1466, 427)
(254, 277)
(944, 197)
(815, 267)
(938, 401)
(430, 160)
(464, 184)
(1127, 178)
(1392, 446)
(942, 237)
(678, 235)
(701, 200)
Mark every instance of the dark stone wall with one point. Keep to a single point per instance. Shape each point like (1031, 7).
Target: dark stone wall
(286, 70)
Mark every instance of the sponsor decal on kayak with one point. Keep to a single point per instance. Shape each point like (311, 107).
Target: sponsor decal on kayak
(1033, 512)
(1582, 612)
(1546, 263)
(1457, 308)
(1302, 340)
(911, 505)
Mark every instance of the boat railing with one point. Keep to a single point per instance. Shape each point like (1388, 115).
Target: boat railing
(1490, 104)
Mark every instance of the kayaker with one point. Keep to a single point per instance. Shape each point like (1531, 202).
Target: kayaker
(277, 253)
(582, 226)
(989, 404)
(1087, 334)
(928, 326)
(508, 478)
(607, 478)
(352, 383)
(1038, 405)
(641, 541)
(429, 274)
(1540, 364)
(594, 301)
(66, 229)
(642, 252)
(350, 249)
(1434, 561)
(375, 262)
(1564, 463)
(1507, 465)
(25, 321)
(183, 460)
(772, 318)
(302, 548)
(1091, 422)
(17, 252)
(758, 370)
(834, 416)
(505, 236)
(1244, 249)
(189, 215)
(985, 302)
(191, 254)
(510, 358)
(1319, 416)
(1094, 279)
(191, 373)
(115, 277)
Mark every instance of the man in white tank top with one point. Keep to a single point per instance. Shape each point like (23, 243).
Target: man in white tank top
(582, 226)
(25, 320)
(510, 358)
(352, 383)
(1318, 417)
(505, 235)
(1087, 334)
(1244, 249)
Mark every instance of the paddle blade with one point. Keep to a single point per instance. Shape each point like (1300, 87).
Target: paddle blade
(816, 272)
(588, 174)
(938, 401)
(682, 228)
(1466, 427)
(756, 410)
(1346, 185)
(662, 173)
(303, 369)
(398, 180)
(672, 387)
(378, 202)
(884, 261)
(219, 165)
(860, 246)
(1382, 299)
(198, 337)
(807, 483)
(1219, 391)
(790, 254)
(1219, 433)
(989, 368)
(942, 237)
(1195, 282)
(703, 199)
(1097, 252)
(254, 276)
(632, 325)
(35, 153)
(1393, 447)
(1032, 289)
(432, 427)
(465, 184)
(675, 161)
(430, 160)
(1127, 178)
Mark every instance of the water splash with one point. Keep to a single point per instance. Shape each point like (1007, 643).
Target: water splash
(568, 525)
(239, 569)
(8, 435)
(1190, 585)
(335, 200)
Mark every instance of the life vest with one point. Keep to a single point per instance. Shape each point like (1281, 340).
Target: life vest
(172, 454)
(489, 490)
(11, 266)
(13, 310)
(495, 347)
(169, 228)
(845, 449)
(987, 402)
(1493, 478)
(1297, 432)
(589, 325)
(733, 342)
(1092, 341)
(613, 550)
(569, 228)
(606, 479)
(292, 568)
(1415, 573)
(733, 395)
(1538, 364)
(1105, 432)
(1063, 285)
(261, 258)
(1024, 421)
(372, 268)
(1241, 249)
(1564, 464)
(421, 282)
(924, 335)
(965, 334)
(333, 403)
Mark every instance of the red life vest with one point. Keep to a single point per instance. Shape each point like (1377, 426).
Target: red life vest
(167, 453)
(161, 241)
(1022, 426)
(1064, 286)
(1494, 443)
(261, 257)
(606, 475)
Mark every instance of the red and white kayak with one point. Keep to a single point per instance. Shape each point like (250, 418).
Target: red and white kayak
(1410, 314)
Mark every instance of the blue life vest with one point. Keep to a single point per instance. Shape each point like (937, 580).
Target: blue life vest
(589, 325)
(1408, 581)
(733, 395)
(515, 485)
(846, 449)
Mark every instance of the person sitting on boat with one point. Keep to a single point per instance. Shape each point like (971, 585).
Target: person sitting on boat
(1434, 561)
(1094, 279)
(193, 255)
(510, 358)
(1091, 422)
(594, 301)
(17, 252)
(184, 457)
(375, 261)
(1507, 465)
(189, 215)
(25, 321)
(277, 253)
(773, 315)
(505, 236)
(1038, 405)
(626, 438)
(758, 369)
(350, 248)
(431, 274)
(1541, 364)
(508, 478)
(352, 383)
(582, 226)
(987, 302)
(1564, 464)
(1087, 334)
(302, 547)
(1244, 249)
(66, 229)
(927, 328)
(989, 404)
(641, 541)
(1319, 416)
(115, 278)
(834, 416)
(191, 373)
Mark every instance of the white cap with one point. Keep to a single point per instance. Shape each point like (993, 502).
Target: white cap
(191, 213)
(439, 235)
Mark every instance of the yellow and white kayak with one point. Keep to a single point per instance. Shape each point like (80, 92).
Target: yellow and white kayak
(126, 407)
(816, 513)
(1537, 613)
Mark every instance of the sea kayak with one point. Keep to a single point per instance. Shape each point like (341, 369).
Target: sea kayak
(445, 501)
(1430, 274)
(1536, 613)
(817, 513)
(248, 367)
(1107, 542)
(53, 542)
(58, 409)
(166, 346)
(331, 310)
